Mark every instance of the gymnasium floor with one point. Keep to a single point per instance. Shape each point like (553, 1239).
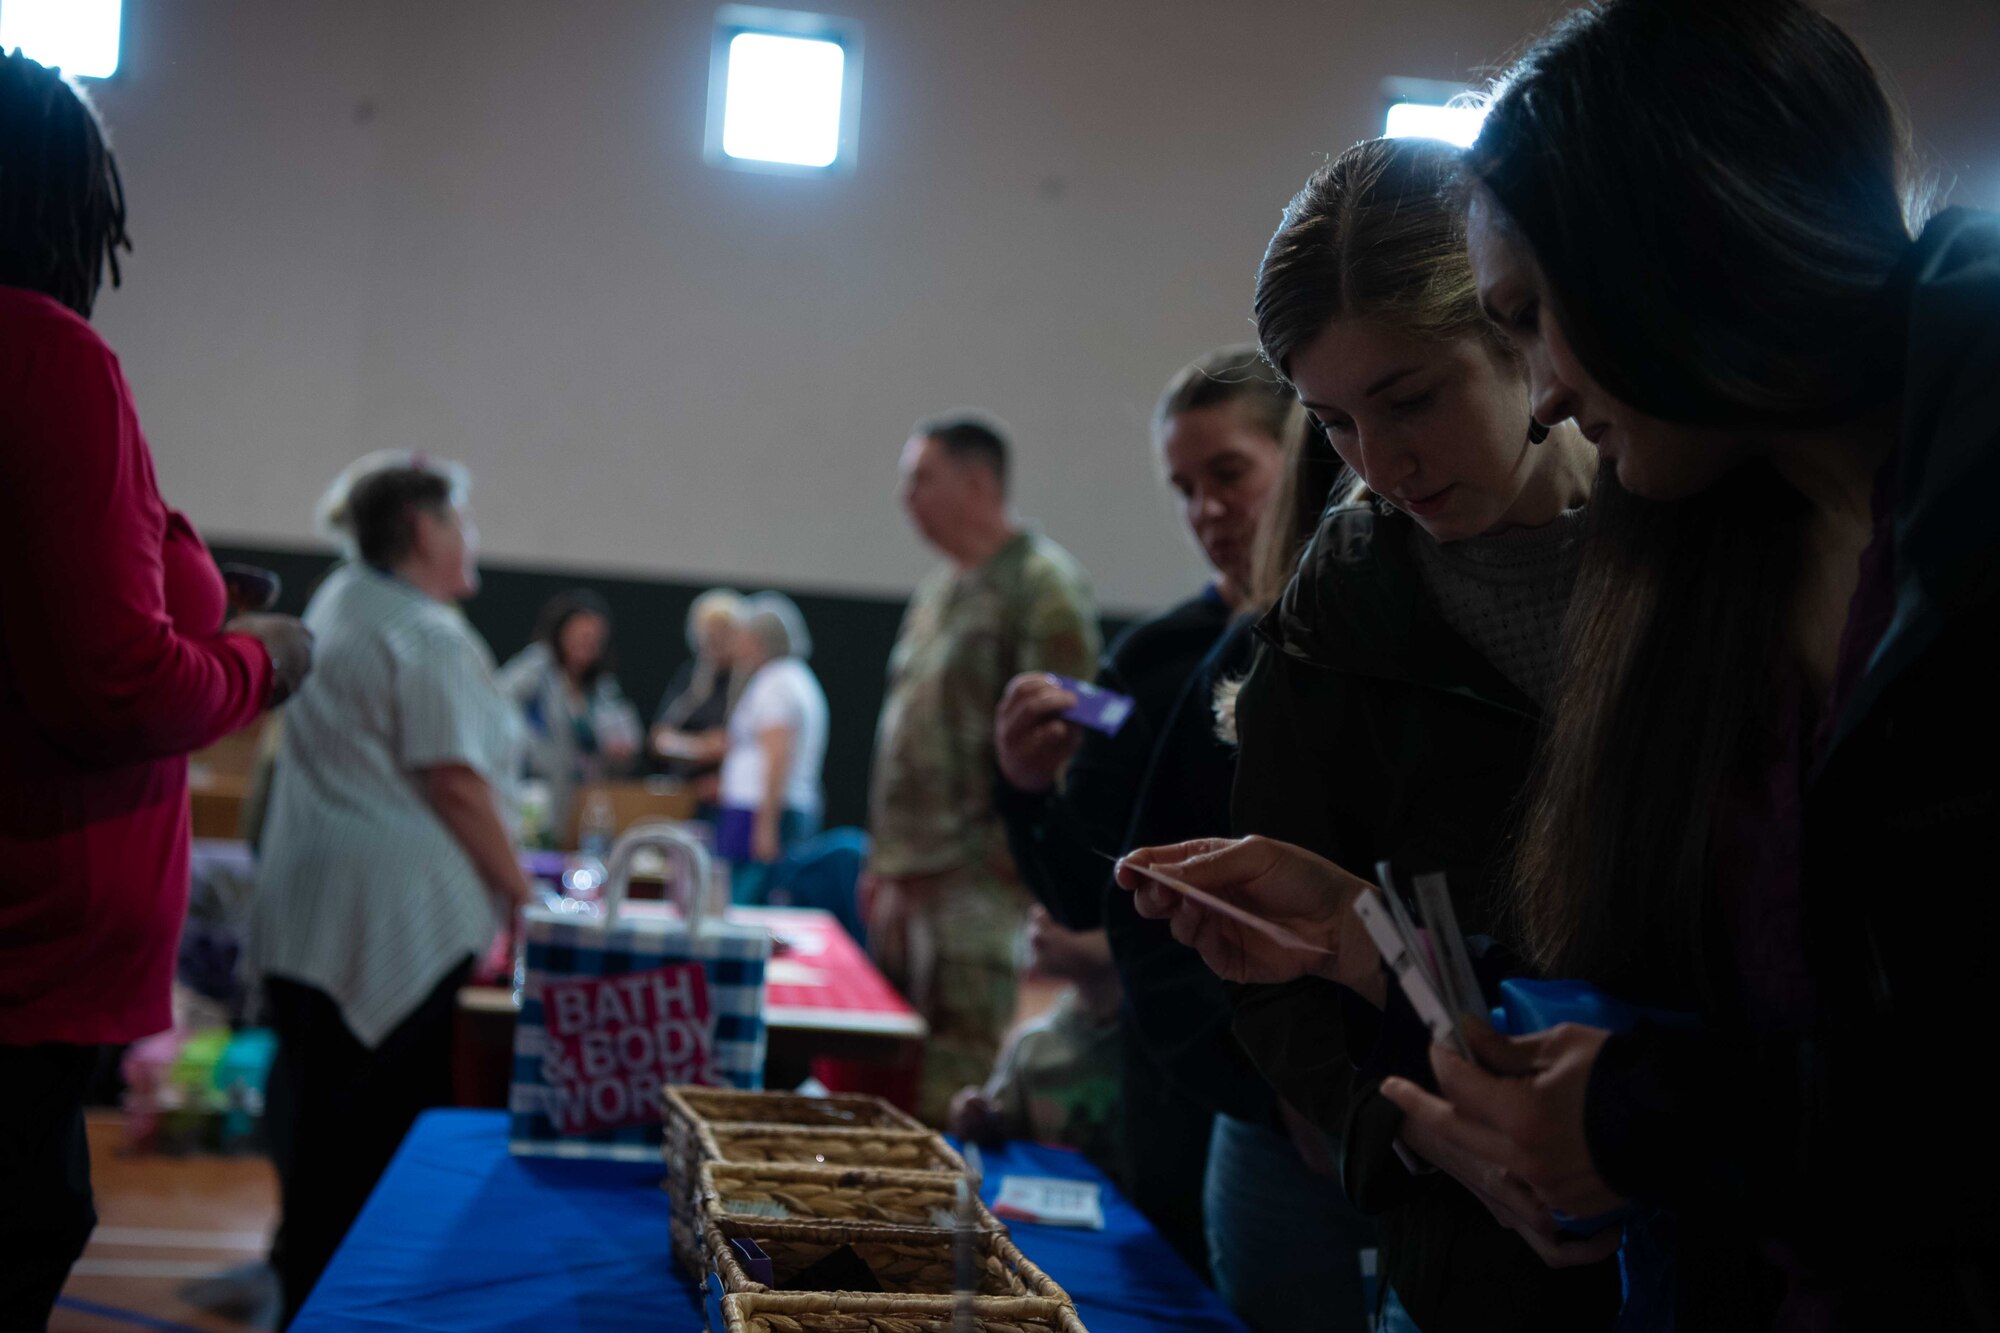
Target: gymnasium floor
(179, 1243)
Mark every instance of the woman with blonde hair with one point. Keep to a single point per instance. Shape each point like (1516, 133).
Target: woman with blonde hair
(771, 797)
(690, 732)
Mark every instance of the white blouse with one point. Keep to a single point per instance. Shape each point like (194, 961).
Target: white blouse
(362, 892)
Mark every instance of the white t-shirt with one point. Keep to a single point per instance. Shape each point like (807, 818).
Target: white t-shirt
(784, 693)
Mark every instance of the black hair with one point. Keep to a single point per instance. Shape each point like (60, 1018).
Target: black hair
(969, 439)
(62, 204)
(1716, 192)
(382, 511)
(564, 607)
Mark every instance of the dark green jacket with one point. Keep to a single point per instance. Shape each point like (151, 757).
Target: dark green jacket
(1370, 730)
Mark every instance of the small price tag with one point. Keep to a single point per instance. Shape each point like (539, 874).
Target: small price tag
(1050, 1202)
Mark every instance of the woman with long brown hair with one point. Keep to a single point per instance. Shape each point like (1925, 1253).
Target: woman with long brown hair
(1393, 711)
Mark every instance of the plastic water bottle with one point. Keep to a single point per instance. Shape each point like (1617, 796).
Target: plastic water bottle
(598, 827)
(532, 807)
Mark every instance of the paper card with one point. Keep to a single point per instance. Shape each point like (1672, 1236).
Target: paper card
(1097, 708)
(1459, 982)
(1050, 1202)
(1419, 944)
(1399, 954)
(785, 972)
(1291, 939)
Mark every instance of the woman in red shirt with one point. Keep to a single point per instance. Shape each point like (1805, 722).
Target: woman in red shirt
(114, 664)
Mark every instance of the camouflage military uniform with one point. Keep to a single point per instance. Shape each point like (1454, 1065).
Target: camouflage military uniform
(1057, 1081)
(1029, 608)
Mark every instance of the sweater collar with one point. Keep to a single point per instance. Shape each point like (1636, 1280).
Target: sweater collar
(1357, 605)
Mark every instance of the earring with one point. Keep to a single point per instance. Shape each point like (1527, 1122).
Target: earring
(1537, 432)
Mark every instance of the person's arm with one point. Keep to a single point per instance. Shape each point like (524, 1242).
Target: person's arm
(1060, 835)
(1307, 1036)
(1006, 1089)
(1060, 629)
(917, 813)
(616, 723)
(701, 747)
(1055, 622)
(453, 728)
(1184, 1024)
(91, 645)
(521, 678)
(777, 743)
(465, 804)
(677, 703)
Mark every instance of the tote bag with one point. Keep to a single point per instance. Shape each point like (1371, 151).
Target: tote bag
(616, 1005)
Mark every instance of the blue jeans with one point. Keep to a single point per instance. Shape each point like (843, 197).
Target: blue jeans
(1284, 1243)
(749, 881)
(1395, 1319)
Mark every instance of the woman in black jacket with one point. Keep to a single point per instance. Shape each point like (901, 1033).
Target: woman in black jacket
(1393, 712)
(1232, 443)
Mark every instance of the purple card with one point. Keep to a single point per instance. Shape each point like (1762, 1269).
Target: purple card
(1097, 708)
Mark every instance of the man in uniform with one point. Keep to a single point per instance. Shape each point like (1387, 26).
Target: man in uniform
(942, 899)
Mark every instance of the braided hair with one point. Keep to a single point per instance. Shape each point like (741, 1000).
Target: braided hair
(62, 204)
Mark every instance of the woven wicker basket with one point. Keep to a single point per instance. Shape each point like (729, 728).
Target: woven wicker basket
(834, 1312)
(877, 1149)
(690, 1140)
(733, 1105)
(751, 1191)
(896, 1149)
(907, 1261)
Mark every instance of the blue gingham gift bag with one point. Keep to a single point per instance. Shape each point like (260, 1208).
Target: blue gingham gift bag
(615, 1006)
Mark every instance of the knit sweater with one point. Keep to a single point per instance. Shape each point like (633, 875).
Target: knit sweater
(1505, 594)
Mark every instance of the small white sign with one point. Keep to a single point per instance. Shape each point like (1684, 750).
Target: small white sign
(1050, 1202)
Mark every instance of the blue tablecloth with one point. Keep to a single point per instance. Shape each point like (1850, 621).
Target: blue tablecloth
(459, 1235)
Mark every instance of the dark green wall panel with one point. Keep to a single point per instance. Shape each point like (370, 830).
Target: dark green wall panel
(851, 641)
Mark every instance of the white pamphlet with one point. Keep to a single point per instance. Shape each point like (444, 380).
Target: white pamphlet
(1050, 1201)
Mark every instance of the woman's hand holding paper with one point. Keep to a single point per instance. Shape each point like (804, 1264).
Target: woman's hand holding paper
(1306, 896)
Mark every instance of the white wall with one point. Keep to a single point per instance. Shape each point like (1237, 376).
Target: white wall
(484, 228)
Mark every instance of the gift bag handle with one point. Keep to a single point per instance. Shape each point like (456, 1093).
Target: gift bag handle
(682, 850)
